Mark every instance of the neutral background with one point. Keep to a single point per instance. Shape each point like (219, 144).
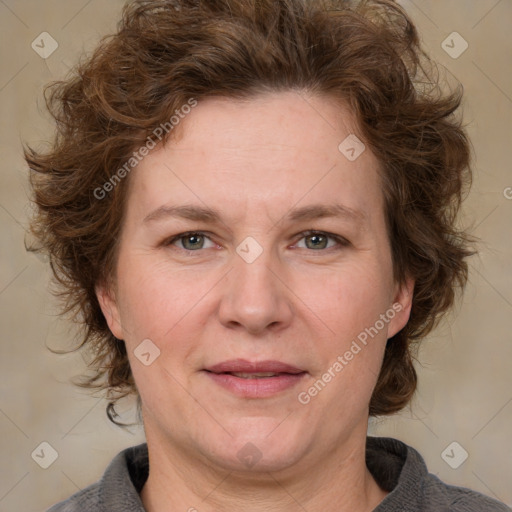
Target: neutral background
(465, 392)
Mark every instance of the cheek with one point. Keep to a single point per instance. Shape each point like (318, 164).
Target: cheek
(154, 298)
(352, 303)
(354, 298)
(161, 307)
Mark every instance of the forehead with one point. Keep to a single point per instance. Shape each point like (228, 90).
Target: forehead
(273, 149)
(279, 122)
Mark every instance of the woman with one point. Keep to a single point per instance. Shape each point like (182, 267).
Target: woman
(252, 206)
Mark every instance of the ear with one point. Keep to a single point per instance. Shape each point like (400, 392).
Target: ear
(402, 304)
(106, 298)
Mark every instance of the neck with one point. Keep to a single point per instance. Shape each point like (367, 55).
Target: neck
(338, 482)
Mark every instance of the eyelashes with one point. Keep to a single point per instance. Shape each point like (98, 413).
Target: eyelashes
(340, 241)
(318, 238)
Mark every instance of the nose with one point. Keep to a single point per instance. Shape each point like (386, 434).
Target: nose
(255, 296)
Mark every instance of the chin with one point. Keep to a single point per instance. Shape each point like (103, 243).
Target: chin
(253, 459)
(259, 445)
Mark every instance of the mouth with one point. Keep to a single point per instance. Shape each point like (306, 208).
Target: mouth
(243, 366)
(259, 375)
(248, 379)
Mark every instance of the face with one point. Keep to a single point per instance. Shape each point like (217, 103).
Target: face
(264, 306)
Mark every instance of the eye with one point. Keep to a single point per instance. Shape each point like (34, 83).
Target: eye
(318, 240)
(191, 241)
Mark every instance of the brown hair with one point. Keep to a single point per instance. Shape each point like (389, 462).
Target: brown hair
(364, 53)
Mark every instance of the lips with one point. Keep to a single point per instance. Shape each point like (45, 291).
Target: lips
(248, 379)
(248, 367)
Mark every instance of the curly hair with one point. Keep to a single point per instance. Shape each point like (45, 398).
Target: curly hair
(365, 53)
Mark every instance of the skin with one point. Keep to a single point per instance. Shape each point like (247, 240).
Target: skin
(298, 303)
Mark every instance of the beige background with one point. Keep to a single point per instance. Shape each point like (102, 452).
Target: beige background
(465, 392)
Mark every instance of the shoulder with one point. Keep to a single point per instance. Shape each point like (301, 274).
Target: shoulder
(118, 490)
(401, 470)
(459, 499)
(86, 499)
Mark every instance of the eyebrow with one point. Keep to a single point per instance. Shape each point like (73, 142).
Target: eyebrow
(305, 213)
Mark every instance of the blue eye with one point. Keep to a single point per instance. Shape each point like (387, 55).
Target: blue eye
(320, 240)
(193, 241)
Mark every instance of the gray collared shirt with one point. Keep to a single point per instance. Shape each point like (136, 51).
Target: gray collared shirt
(397, 468)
